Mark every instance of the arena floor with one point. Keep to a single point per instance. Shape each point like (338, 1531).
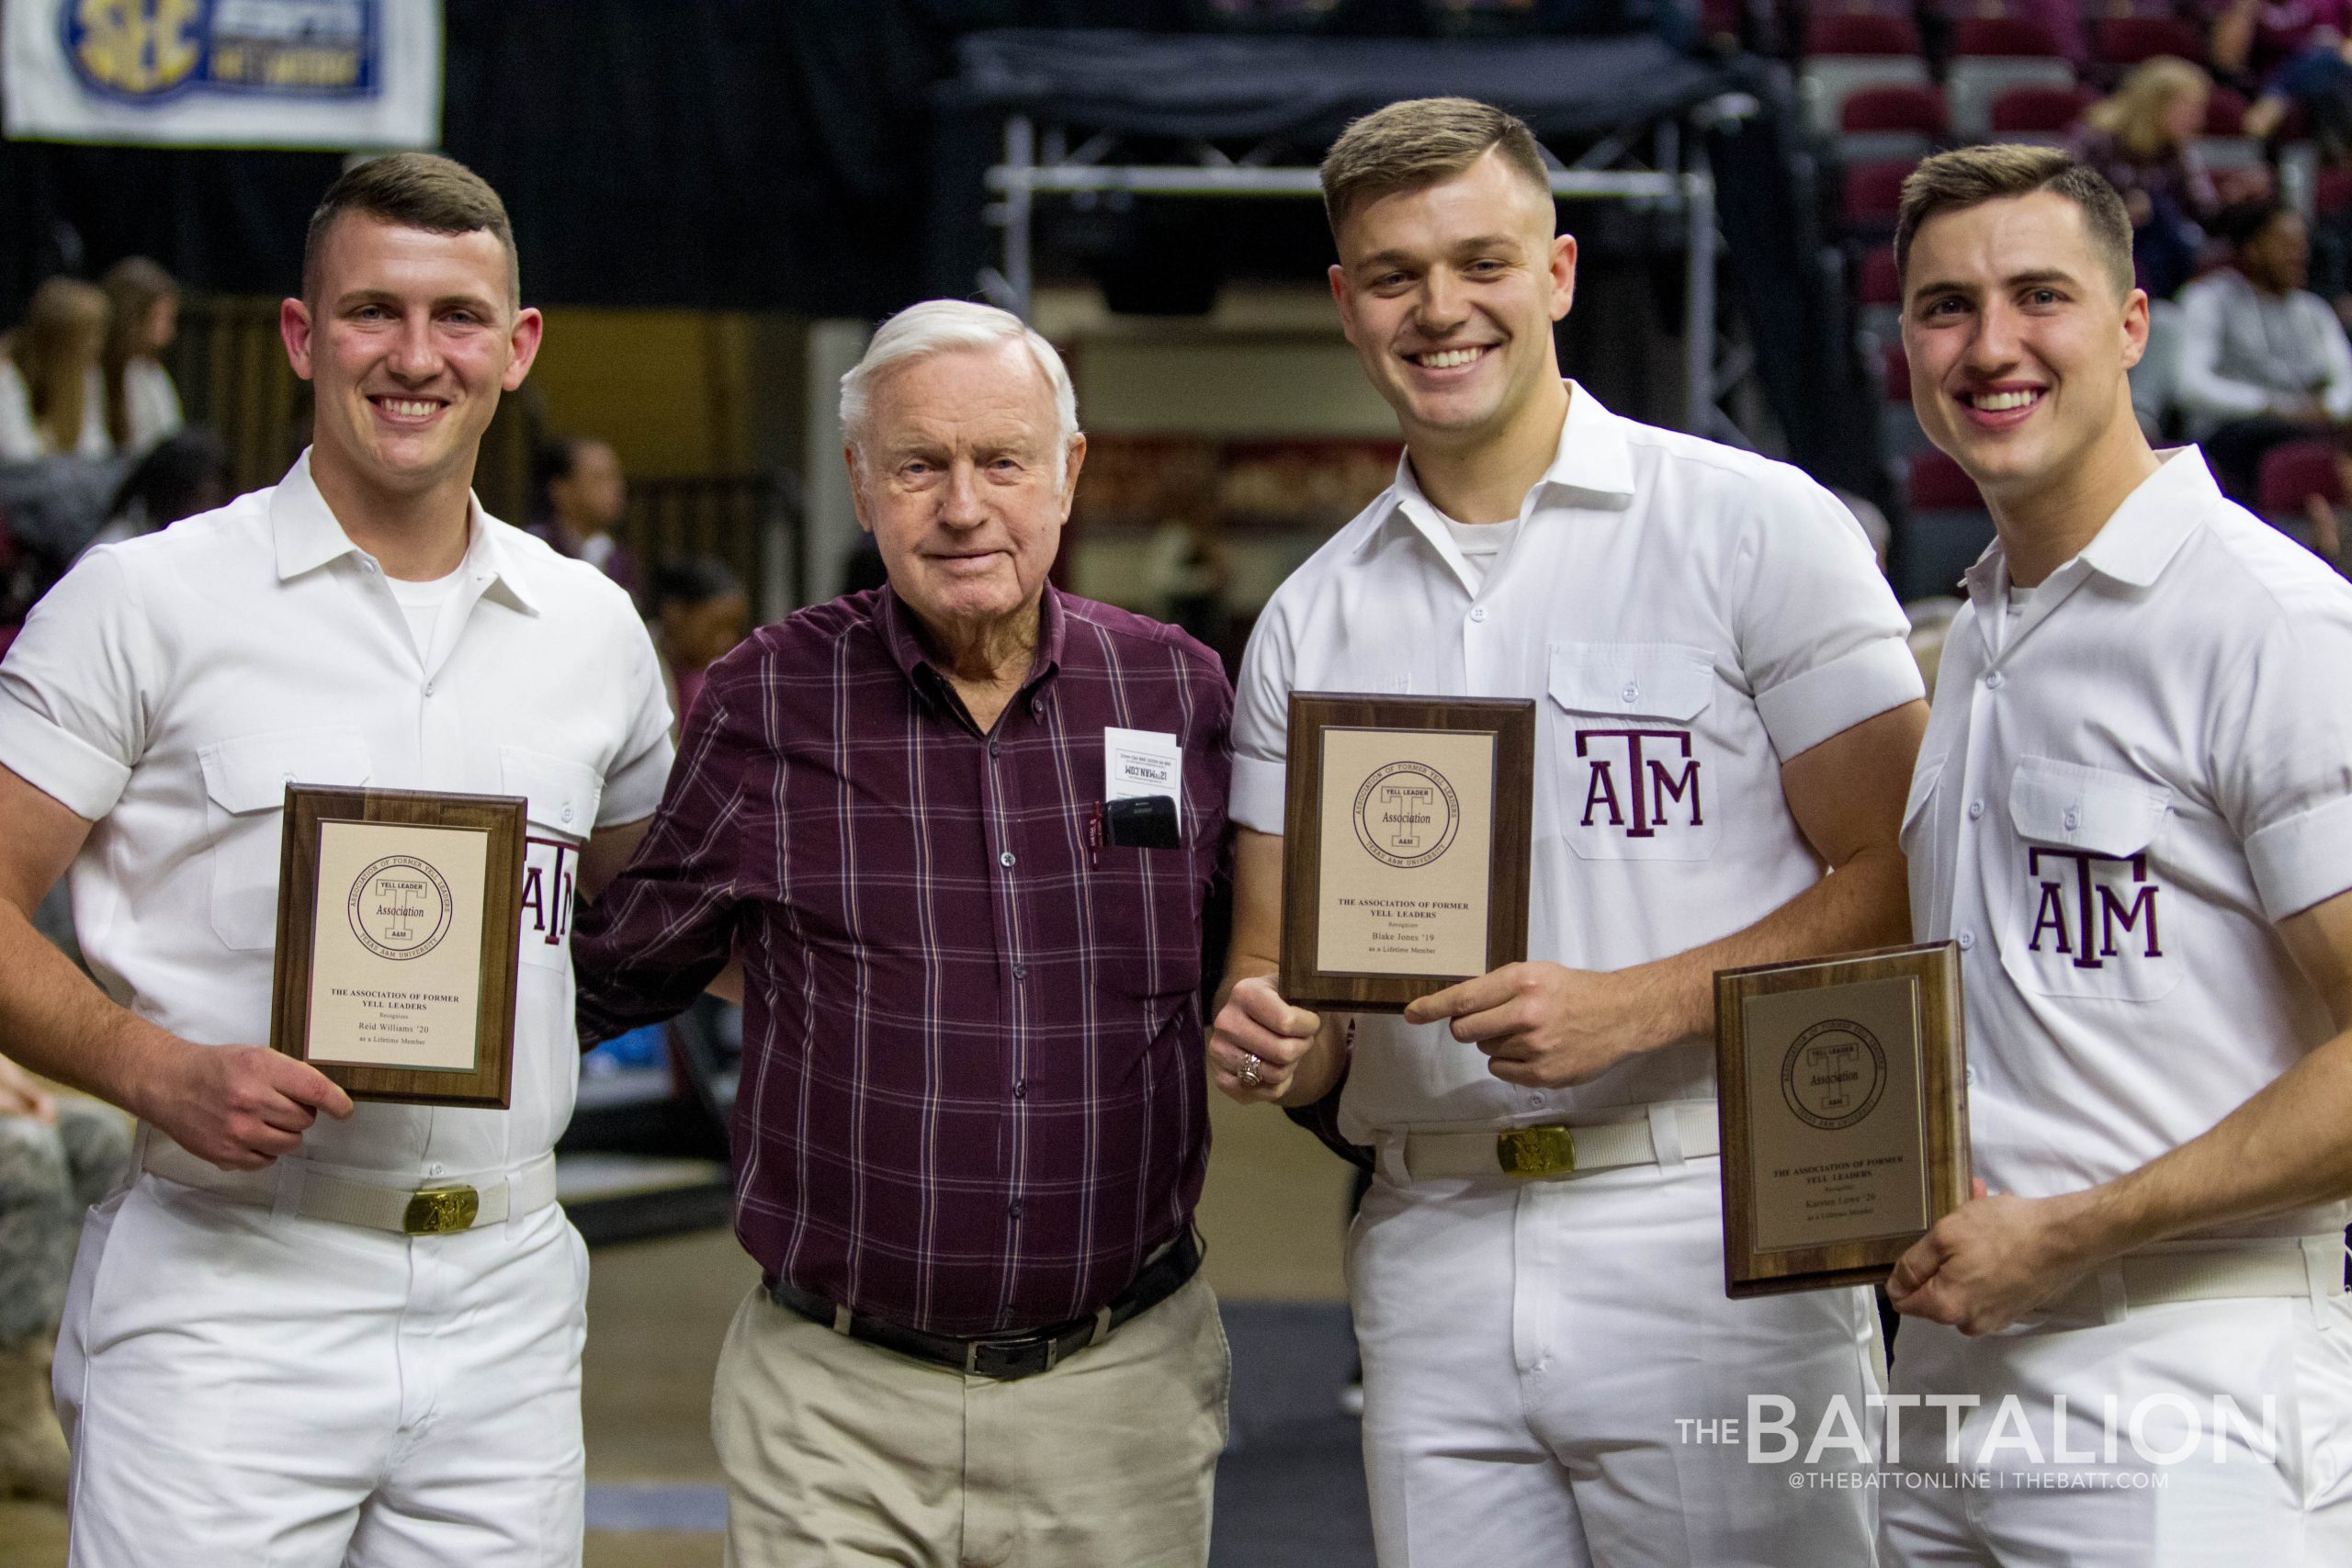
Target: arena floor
(1290, 1493)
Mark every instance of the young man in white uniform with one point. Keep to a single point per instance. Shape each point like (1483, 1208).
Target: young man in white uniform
(2133, 812)
(259, 1364)
(1725, 705)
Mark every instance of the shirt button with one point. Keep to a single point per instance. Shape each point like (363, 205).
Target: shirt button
(2073, 819)
(993, 747)
(1631, 692)
(428, 688)
(1013, 1208)
(1992, 680)
(1478, 612)
(1020, 1089)
(1535, 1099)
(438, 1170)
(1005, 857)
(567, 814)
(1969, 1073)
(1967, 941)
(1021, 971)
(1975, 809)
(289, 778)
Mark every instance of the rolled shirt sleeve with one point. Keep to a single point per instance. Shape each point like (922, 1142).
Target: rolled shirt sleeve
(73, 704)
(1821, 638)
(1261, 722)
(2285, 737)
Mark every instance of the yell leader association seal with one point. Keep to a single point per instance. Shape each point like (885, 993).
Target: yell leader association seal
(1833, 1073)
(1406, 814)
(400, 908)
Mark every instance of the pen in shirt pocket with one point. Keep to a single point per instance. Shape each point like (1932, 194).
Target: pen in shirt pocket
(1094, 837)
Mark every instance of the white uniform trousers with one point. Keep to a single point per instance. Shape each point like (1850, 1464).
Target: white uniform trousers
(245, 1389)
(2199, 1487)
(1538, 1356)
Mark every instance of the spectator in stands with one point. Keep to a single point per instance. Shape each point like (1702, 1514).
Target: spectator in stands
(143, 407)
(700, 612)
(2262, 359)
(582, 497)
(2252, 36)
(186, 473)
(53, 395)
(2143, 138)
(56, 1157)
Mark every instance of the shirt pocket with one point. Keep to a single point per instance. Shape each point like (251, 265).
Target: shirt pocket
(1630, 773)
(2087, 913)
(560, 799)
(244, 787)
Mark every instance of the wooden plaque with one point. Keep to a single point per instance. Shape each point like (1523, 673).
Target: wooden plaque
(1844, 1106)
(1405, 834)
(399, 925)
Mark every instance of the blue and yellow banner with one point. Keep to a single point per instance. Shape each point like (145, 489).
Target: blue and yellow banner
(325, 73)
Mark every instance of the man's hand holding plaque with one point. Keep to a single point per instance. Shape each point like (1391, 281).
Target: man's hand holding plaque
(1258, 1042)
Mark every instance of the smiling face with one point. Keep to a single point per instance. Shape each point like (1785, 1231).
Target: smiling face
(957, 476)
(2019, 339)
(408, 340)
(1448, 293)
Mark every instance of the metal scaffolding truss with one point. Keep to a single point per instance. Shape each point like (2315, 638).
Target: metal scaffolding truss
(1045, 165)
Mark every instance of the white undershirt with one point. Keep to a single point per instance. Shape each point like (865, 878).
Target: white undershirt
(423, 603)
(1482, 543)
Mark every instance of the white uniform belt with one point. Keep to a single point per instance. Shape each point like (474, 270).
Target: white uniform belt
(437, 1208)
(2209, 1271)
(1557, 1149)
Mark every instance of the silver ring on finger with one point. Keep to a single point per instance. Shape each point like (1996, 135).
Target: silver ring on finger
(1249, 1074)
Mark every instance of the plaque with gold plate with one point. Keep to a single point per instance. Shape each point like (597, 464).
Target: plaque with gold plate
(1844, 1114)
(1405, 834)
(399, 926)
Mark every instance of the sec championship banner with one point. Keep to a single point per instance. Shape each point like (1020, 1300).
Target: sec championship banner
(324, 74)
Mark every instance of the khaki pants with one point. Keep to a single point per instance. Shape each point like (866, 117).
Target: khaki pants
(837, 1452)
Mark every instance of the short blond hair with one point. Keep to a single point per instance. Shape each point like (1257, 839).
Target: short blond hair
(1971, 176)
(1422, 142)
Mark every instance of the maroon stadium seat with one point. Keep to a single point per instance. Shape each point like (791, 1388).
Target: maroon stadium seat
(1879, 284)
(2294, 472)
(1896, 109)
(1837, 32)
(1894, 374)
(2127, 40)
(1980, 37)
(1939, 484)
(2037, 108)
(2225, 113)
(1873, 192)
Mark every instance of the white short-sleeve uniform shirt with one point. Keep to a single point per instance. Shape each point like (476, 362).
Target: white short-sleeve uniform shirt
(1687, 617)
(171, 687)
(2127, 780)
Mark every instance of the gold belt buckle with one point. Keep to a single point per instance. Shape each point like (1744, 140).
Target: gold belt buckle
(437, 1211)
(1536, 1151)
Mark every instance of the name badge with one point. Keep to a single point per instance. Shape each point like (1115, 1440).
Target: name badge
(1143, 788)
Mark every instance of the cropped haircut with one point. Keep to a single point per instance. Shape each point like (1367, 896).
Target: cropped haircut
(937, 326)
(414, 190)
(1971, 176)
(1420, 142)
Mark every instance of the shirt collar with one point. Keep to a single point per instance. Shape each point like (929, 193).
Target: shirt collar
(897, 625)
(307, 537)
(2135, 545)
(1592, 457)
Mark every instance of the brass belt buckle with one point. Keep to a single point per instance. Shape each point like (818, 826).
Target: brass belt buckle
(1536, 1151)
(437, 1211)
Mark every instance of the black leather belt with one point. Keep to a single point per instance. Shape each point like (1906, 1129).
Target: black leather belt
(1015, 1356)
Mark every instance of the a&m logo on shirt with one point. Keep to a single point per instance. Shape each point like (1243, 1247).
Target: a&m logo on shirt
(2091, 907)
(1643, 781)
(551, 869)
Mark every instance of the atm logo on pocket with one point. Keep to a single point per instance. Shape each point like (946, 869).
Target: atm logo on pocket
(551, 870)
(1661, 779)
(2091, 907)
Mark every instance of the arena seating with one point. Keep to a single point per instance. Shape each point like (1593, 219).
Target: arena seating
(2119, 43)
(1948, 528)
(1991, 55)
(1884, 123)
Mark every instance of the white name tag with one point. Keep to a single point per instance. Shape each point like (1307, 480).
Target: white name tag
(1141, 763)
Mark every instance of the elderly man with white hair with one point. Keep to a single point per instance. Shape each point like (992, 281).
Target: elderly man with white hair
(957, 830)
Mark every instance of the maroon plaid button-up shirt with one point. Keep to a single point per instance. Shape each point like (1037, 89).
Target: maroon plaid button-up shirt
(972, 1096)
